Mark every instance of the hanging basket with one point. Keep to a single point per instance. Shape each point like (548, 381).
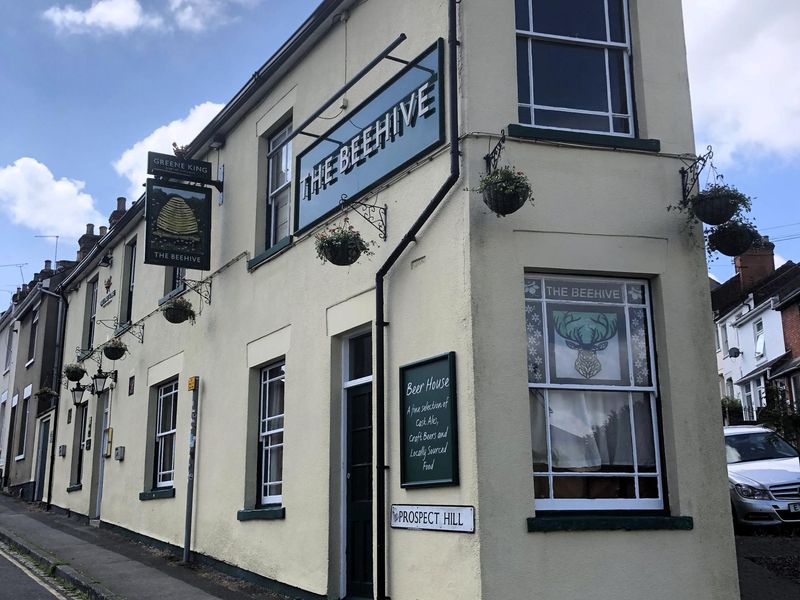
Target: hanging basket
(342, 253)
(178, 311)
(732, 239)
(74, 372)
(114, 352)
(715, 206)
(504, 203)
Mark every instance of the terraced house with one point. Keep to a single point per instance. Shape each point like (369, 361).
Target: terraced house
(485, 407)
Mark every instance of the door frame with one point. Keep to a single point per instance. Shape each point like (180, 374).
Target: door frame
(42, 453)
(346, 385)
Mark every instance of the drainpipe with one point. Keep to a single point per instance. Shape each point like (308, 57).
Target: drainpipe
(380, 323)
(60, 325)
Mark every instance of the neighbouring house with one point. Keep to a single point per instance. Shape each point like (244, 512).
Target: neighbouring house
(750, 330)
(484, 408)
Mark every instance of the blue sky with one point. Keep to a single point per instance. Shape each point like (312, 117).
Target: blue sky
(89, 85)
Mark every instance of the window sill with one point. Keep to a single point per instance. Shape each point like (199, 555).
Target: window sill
(590, 139)
(6, 372)
(257, 261)
(262, 514)
(157, 494)
(74, 488)
(84, 355)
(122, 329)
(30, 362)
(546, 524)
(170, 295)
(19, 457)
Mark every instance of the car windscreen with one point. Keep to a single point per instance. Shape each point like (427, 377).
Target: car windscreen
(746, 447)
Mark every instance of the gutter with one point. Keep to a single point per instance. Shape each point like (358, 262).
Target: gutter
(380, 323)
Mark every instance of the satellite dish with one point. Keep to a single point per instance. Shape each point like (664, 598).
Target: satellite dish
(734, 352)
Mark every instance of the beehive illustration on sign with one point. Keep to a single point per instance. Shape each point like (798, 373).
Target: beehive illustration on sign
(178, 219)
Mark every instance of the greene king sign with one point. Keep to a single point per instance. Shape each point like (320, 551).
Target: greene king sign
(398, 124)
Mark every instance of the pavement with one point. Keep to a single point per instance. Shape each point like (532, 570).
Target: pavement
(107, 566)
(769, 564)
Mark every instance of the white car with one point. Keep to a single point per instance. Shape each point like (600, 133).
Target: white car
(763, 476)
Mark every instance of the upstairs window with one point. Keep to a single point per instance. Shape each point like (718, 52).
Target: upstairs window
(32, 336)
(91, 314)
(9, 348)
(279, 186)
(129, 278)
(573, 65)
(760, 340)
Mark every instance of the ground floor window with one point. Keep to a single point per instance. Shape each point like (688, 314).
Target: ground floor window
(592, 393)
(166, 405)
(270, 437)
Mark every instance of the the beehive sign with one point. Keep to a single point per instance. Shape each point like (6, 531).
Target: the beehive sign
(396, 126)
(178, 225)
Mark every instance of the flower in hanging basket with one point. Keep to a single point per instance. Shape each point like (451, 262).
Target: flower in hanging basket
(45, 393)
(114, 349)
(178, 310)
(74, 372)
(505, 190)
(733, 238)
(341, 244)
(718, 203)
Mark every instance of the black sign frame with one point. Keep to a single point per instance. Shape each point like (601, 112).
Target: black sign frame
(438, 46)
(449, 361)
(204, 215)
(179, 168)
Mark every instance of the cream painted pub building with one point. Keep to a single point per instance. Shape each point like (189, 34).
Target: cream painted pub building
(486, 408)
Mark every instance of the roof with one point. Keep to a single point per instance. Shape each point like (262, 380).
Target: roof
(781, 282)
(782, 369)
(743, 429)
(762, 368)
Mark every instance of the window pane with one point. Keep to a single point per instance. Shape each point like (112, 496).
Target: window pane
(569, 76)
(573, 18)
(616, 21)
(165, 421)
(523, 72)
(524, 115)
(167, 455)
(648, 487)
(281, 215)
(541, 487)
(534, 328)
(567, 120)
(645, 444)
(640, 347)
(539, 430)
(360, 357)
(275, 405)
(635, 293)
(616, 72)
(275, 473)
(523, 20)
(590, 431)
(594, 487)
(279, 169)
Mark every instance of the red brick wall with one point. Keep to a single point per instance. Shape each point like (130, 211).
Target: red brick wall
(791, 328)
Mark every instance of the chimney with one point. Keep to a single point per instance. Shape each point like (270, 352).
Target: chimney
(118, 213)
(87, 241)
(756, 264)
(48, 264)
(103, 230)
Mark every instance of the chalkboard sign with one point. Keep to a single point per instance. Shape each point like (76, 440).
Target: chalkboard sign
(428, 423)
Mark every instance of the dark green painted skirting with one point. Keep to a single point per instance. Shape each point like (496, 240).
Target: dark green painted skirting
(157, 494)
(261, 514)
(588, 139)
(268, 253)
(75, 488)
(223, 567)
(609, 523)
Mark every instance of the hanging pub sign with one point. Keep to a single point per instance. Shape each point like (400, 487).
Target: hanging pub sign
(394, 127)
(177, 225)
(428, 423)
(185, 169)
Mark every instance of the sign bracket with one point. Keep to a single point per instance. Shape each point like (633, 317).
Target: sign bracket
(493, 158)
(201, 287)
(372, 213)
(690, 174)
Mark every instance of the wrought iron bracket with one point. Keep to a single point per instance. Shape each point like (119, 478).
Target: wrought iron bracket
(201, 287)
(94, 354)
(372, 213)
(105, 323)
(690, 173)
(136, 330)
(493, 158)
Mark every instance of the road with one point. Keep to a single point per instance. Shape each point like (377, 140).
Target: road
(18, 582)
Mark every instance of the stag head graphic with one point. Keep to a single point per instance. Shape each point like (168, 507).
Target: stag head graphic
(587, 338)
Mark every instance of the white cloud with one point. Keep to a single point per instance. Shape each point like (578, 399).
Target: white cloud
(103, 16)
(742, 66)
(32, 197)
(199, 15)
(133, 162)
(779, 261)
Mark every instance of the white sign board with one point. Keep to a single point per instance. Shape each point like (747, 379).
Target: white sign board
(433, 518)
